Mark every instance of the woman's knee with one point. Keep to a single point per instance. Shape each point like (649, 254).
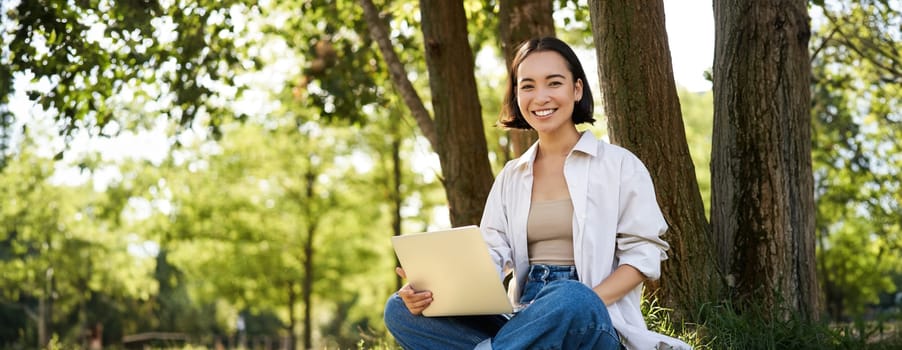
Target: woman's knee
(573, 296)
(569, 290)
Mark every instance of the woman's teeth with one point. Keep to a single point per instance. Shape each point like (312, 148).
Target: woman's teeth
(544, 112)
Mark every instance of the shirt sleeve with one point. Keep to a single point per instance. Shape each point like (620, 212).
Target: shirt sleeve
(494, 226)
(640, 223)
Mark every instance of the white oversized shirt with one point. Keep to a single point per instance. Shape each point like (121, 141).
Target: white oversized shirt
(616, 221)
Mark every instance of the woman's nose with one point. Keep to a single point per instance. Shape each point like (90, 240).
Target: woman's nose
(543, 96)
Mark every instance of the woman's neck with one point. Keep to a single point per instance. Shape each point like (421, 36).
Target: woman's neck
(558, 144)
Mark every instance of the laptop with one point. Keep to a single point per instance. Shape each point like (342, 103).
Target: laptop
(455, 265)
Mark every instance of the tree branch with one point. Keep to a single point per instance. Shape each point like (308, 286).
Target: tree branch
(866, 44)
(379, 33)
(31, 313)
(823, 44)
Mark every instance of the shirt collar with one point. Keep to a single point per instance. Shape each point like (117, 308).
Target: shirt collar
(587, 144)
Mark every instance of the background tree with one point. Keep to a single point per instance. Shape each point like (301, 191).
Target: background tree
(857, 69)
(276, 209)
(342, 82)
(763, 201)
(462, 149)
(409, 192)
(84, 54)
(61, 249)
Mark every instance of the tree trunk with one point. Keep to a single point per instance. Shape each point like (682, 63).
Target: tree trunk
(763, 202)
(462, 151)
(456, 133)
(395, 192)
(521, 20)
(307, 286)
(644, 116)
(307, 290)
(833, 298)
(292, 319)
(43, 337)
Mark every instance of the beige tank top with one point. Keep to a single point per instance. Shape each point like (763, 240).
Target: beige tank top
(549, 232)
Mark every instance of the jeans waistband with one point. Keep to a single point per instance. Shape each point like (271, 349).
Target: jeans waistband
(548, 273)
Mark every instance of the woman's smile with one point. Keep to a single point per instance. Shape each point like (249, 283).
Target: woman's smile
(544, 112)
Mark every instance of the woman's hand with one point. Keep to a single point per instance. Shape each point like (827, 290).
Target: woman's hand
(415, 301)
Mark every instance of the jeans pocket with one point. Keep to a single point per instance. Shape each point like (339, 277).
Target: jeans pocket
(530, 291)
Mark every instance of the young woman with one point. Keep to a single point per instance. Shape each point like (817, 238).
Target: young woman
(574, 218)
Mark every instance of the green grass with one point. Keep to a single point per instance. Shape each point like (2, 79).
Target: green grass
(723, 327)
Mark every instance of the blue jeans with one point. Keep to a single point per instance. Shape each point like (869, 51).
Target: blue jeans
(559, 313)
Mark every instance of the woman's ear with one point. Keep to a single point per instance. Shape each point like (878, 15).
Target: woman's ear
(578, 89)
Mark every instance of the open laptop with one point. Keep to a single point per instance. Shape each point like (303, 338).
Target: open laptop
(455, 265)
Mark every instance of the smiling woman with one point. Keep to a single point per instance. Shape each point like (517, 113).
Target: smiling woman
(555, 64)
(546, 97)
(578, 254)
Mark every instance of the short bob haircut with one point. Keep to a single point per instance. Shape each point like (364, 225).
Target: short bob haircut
(510, 111)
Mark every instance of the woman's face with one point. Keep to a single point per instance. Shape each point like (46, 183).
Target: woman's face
(546, 92)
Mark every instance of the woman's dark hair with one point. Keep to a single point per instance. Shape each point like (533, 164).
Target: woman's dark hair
(510, 112)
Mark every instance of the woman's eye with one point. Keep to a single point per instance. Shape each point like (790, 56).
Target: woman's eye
(525, 87)
(555, 83)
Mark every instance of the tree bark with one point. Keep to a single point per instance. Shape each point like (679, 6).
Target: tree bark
(521, 20)
(643, 110)
(463, 152)
(763, 202)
